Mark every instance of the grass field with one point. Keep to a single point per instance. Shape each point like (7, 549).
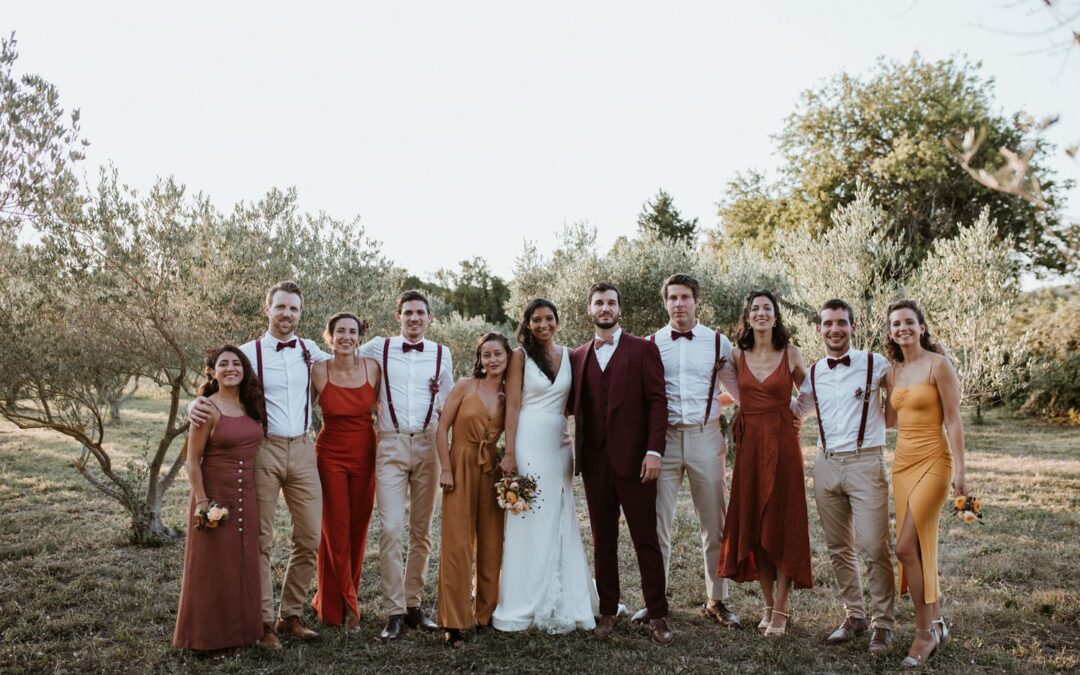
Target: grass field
(75, 598)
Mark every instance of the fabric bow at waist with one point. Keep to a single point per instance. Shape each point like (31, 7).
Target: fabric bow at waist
(483, 455)
(739, 426)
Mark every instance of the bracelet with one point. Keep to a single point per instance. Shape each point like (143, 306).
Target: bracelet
(201, 501)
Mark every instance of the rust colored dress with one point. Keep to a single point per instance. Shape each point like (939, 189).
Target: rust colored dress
(768, 492)
(472, 522)
(220, 598)
(345, 450)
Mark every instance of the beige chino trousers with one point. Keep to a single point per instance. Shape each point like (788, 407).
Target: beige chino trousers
(406, 476)
(697, 453)
(851, 490)
(284, 464)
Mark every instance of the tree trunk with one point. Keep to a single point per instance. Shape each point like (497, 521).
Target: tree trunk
(978, 413)
(114, 411)
(147, 527)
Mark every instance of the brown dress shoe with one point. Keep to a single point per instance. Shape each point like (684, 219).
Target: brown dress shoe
(662, 632)
(395, 625)
(415, 618)
(605, 625)
(722, 614)
(848, 630)
(293, 627)
(269, 640)
(880, 640)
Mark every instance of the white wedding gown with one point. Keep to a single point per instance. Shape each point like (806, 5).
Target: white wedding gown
(545, 579)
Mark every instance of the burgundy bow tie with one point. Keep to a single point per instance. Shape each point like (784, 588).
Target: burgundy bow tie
(600, 342)
(286, 345)
(675, 335)
(407, 347)
(844, 360)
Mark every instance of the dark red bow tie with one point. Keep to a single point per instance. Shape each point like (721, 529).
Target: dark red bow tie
(675, 335)
(600, 342)
(407, 347)
(286, 345)
(844, 360)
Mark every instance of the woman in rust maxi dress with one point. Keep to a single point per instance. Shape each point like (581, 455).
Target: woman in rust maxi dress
(345, 450)
(220, 600)
(766, 536)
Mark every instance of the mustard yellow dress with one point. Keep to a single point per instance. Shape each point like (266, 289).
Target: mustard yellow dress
(922, 472)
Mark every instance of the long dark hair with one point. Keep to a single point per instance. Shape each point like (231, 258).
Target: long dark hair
(251, 393)
(744, 337)
(478, 368)
(926, 341)
(528, 341)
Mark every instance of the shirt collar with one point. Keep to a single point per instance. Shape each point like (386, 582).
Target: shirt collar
(614, 336)
(269, 339)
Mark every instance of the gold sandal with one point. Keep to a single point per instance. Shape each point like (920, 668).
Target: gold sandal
(773, 631)
(763, 625)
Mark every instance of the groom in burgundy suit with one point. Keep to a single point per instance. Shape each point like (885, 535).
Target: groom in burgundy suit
(620, 411)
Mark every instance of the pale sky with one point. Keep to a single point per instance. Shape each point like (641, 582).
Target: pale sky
(456, 129)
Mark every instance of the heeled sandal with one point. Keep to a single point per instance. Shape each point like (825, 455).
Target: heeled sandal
(943, 636)
(910, 662)
(454, 638)
(765, 620)
(773, 631)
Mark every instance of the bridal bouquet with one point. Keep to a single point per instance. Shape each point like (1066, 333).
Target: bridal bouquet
(967, 508)
(516, 493)
(215, 514)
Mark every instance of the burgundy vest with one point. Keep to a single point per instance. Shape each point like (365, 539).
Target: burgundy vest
(595, 401)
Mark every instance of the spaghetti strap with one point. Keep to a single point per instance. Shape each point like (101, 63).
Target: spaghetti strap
(930, 374)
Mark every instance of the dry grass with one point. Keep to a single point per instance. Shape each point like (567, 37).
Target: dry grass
(75, 598)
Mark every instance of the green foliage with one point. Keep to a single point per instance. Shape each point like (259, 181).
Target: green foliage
(659, 219)
(461, 334)
(1050, 318)
(474, 290)
(889, 132)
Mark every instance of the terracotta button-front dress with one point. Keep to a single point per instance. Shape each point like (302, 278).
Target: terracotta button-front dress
(345, 450)
(220, 599)
(768, 492)
(922, 471)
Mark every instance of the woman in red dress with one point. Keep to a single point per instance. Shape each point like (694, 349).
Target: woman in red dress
(346, 387)
(766, 537)
(220, 601)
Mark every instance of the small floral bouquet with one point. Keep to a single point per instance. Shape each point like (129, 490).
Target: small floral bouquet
(967, 508)
(516, 493)
(213, 515)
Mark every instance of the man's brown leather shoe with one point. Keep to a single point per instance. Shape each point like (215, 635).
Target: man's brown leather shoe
(662, 632)
(269, 639)
(293, 627)
(722, 614)
(395, 624)
(605, 625)
(848, 630)
(880, 641)
(415, 618)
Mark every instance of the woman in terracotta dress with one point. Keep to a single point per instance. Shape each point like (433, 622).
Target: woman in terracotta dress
(472, 522)
(924, 403)
(220, 599)
(346, 387)
(766, 537)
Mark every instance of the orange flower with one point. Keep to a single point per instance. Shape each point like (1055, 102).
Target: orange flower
(511, 496)
(969, 517)
(976, 506)
(960, 502)
(212, 524)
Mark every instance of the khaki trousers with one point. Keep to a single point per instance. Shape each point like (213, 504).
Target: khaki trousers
(288, 465)
(852, 494)
(406, 475)
(697, 453)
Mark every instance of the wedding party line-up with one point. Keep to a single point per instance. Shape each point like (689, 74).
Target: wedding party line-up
(398, 431)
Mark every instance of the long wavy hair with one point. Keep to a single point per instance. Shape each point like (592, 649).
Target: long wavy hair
(926, 341)
(744, 336)
(528, 341)
(251, 393)
(478, 368)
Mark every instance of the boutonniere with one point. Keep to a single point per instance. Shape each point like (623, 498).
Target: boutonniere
(863, 395)
(433, 385)
(718, 366)
(308, 361)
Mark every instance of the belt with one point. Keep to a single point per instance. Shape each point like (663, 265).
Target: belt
(858, 452)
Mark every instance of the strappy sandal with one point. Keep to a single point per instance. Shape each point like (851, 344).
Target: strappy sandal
(454, 638)
(943, 635)
(911, 662)
(763, 625)
(773, 631)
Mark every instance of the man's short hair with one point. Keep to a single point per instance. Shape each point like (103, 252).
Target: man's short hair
(682, 280)
(837, 303)
(288, 286)
(409, 296)
(602, 287)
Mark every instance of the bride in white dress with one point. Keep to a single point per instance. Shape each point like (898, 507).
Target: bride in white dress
(545, 578)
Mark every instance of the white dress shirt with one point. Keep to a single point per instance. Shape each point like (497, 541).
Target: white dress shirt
(688, 369)
(841, 408)
(410, 375)
(285, 383)
(604, 352)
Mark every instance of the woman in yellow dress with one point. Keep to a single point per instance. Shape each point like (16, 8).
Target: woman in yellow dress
(924, 403)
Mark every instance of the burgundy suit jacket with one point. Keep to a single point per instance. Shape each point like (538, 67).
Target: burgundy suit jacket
(637, 405)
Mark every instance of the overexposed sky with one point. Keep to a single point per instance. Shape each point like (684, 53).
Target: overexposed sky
(463, 128)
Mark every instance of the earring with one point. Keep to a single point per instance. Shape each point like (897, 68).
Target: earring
(483, 370)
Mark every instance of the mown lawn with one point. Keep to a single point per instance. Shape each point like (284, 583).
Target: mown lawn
(74, 597)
